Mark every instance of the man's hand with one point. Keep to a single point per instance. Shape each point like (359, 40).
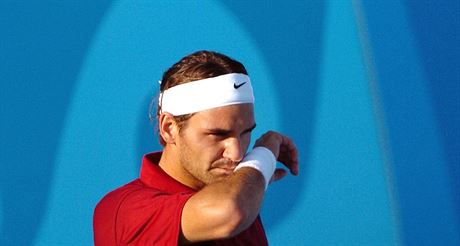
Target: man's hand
(284, 150)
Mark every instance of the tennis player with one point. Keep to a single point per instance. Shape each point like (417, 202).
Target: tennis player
(204, 187)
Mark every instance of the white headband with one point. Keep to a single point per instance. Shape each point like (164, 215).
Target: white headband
(199, 95)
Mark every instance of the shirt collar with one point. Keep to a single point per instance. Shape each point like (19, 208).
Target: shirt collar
(153, 176)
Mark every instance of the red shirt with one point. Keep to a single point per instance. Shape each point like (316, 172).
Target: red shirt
(148, 210)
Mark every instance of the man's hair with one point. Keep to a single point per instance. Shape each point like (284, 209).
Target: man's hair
(197, 66)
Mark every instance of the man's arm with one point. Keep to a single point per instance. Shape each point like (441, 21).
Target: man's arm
(226, 208)
(223, 209)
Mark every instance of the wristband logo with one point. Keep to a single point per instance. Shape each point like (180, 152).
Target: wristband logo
(238, 86)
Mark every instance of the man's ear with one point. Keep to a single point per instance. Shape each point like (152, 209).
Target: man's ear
(168, 128)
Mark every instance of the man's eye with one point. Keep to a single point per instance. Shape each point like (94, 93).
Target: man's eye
(219, 134)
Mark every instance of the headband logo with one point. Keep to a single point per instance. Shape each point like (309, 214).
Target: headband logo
(238, 86)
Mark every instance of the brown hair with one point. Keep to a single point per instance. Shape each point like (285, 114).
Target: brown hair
(197, 66)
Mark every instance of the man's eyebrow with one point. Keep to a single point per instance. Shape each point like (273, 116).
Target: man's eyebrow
(225, 131)
(250, 128)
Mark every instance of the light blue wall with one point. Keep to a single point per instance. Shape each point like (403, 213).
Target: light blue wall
(369, 91)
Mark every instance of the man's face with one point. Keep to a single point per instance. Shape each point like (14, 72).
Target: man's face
(214, 141)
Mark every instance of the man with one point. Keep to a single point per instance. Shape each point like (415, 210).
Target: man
(202, 188)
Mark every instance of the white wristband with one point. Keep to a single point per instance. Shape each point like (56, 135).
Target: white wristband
(261, 159)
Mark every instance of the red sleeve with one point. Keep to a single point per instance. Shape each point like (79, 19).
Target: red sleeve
(150, 218)
(138, 216)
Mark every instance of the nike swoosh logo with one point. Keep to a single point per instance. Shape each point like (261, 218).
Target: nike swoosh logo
(238, 86)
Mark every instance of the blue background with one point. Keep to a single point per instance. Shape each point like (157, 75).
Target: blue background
(369, 91)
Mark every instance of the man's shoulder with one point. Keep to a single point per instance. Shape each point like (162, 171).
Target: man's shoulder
(122, 193)
(132, 192)
(138, 212)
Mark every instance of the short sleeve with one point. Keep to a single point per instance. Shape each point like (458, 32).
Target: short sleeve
(150, 217)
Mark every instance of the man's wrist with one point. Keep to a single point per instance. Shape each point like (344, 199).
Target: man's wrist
(261, 159)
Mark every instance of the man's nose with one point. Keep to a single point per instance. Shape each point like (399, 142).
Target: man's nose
(233, 150)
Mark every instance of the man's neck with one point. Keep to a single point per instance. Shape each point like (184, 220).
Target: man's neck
(170, 164)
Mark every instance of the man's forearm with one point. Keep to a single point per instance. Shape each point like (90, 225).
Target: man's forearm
(225, 208)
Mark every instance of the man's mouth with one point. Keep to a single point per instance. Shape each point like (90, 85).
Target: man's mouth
(224, 167)
(223, 171)
(230, 169)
